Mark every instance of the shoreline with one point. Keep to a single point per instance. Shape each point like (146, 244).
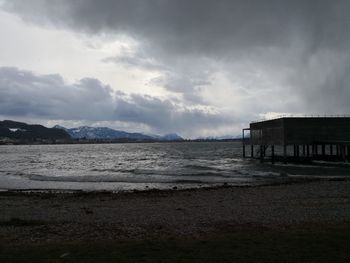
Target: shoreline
(58, 191)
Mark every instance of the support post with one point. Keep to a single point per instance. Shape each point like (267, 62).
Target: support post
(323, 150)
(337, 150)
(261, 153)
(243, 143)
(272, 153)
(316, 149)
(294, 150)
(252, 150)
(331, 149)
(342, 152)
(297, 150)
(284, 153)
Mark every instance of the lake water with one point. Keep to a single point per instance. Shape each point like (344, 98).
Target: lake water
(139, 166)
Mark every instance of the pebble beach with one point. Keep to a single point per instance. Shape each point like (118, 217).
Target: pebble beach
(55, 217)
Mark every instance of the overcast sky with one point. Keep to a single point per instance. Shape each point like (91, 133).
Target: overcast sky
(194, 67)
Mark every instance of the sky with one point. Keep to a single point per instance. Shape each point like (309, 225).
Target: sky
(193, 67)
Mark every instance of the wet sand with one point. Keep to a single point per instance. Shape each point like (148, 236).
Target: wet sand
(44, 218)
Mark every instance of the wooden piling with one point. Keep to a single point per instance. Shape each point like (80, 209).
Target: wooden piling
(243, 143)
(323, 150)
(331, 149)
(284, 153)
(297, 150)
(337, 150)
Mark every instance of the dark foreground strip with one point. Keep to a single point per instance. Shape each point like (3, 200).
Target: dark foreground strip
(291, 244)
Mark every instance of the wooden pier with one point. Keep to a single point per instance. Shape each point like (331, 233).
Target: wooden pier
(298, 139)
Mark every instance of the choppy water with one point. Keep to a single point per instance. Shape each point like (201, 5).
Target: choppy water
(119, 167)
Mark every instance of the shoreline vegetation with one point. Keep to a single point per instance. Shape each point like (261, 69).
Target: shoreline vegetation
(303, 222)
(7, 141)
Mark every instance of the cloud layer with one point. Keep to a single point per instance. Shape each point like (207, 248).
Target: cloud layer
(237, 58)
(23, 93)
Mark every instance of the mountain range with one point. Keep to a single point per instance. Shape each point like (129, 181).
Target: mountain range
(104, 133)
(22, 131)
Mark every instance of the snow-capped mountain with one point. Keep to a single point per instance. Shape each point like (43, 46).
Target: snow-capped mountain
(108, 133)
(101, 133)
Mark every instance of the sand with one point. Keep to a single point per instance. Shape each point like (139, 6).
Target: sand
(55, 217)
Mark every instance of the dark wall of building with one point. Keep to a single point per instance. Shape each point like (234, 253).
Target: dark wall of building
(267, 132)
(312, 130)
(301, 131)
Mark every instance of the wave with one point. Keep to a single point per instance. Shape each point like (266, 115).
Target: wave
(201, 167)
(88, 179)
(200, 178)
(113, 170)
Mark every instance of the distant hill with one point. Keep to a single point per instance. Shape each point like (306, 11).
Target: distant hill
(22, 131)
(171, 137)
(221, 138)
(166, 137)
(104, 133)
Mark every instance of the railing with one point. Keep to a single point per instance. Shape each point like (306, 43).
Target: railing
(304, 116)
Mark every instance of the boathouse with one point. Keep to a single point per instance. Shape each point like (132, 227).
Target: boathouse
(299, 138)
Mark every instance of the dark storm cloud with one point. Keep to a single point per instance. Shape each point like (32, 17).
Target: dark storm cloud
(199, 25)
(287, 40)
(23, 93)
(325, 82)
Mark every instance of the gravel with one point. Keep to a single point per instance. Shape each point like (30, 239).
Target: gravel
(52, 217)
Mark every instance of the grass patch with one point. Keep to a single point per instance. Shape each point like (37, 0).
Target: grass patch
(21, 222)
(301, 244)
